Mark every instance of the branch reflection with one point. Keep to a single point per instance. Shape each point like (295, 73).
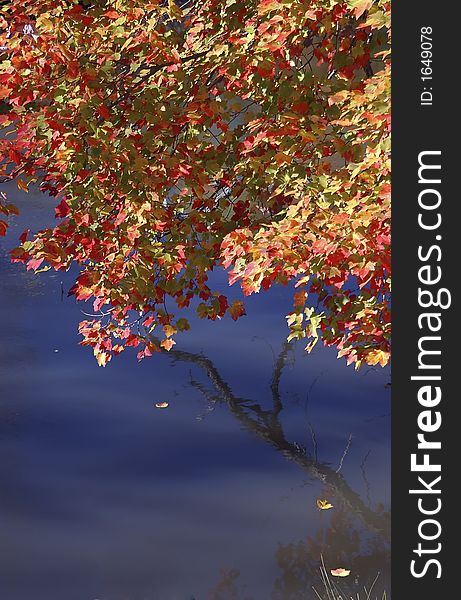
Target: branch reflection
(357, 536)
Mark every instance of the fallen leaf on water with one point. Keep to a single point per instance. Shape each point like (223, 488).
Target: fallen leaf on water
(324, 504)
(162, 405)
(339, 572)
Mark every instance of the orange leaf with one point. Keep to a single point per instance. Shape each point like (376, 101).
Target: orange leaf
(22, 185)
(167, 344)
(361, 6)
(236, 309)
(282, 158)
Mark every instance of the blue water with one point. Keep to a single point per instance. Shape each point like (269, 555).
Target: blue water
(106, 497)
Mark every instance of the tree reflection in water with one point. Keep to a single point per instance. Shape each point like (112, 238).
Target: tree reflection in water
(357, 536)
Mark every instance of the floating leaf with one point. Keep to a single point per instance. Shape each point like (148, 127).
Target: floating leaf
(324, 504)
(340, 572)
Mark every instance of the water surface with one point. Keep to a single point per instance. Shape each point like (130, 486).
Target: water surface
(106, 497)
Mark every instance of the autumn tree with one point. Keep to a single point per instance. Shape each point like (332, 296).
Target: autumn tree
(180, 137)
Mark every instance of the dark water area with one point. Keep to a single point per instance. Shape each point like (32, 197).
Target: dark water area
(106, 497)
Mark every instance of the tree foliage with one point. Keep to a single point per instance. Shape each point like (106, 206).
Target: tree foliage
(250, 134)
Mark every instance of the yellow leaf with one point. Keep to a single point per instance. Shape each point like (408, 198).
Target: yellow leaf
(102, 357)
(360, 6)
(44, 25)
(378, 19)
(340, 572)
(378, 357)
(127, 43)
(64, 154)
(174, 11)
(169, 330)
(324, 504)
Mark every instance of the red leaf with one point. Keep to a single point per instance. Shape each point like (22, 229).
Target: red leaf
(104, 112)
(301, 107)
(132, 340)
(23, 236)
(62, 210)
(120, 218)
(223, 305)
(15, 156)
(148, 322)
